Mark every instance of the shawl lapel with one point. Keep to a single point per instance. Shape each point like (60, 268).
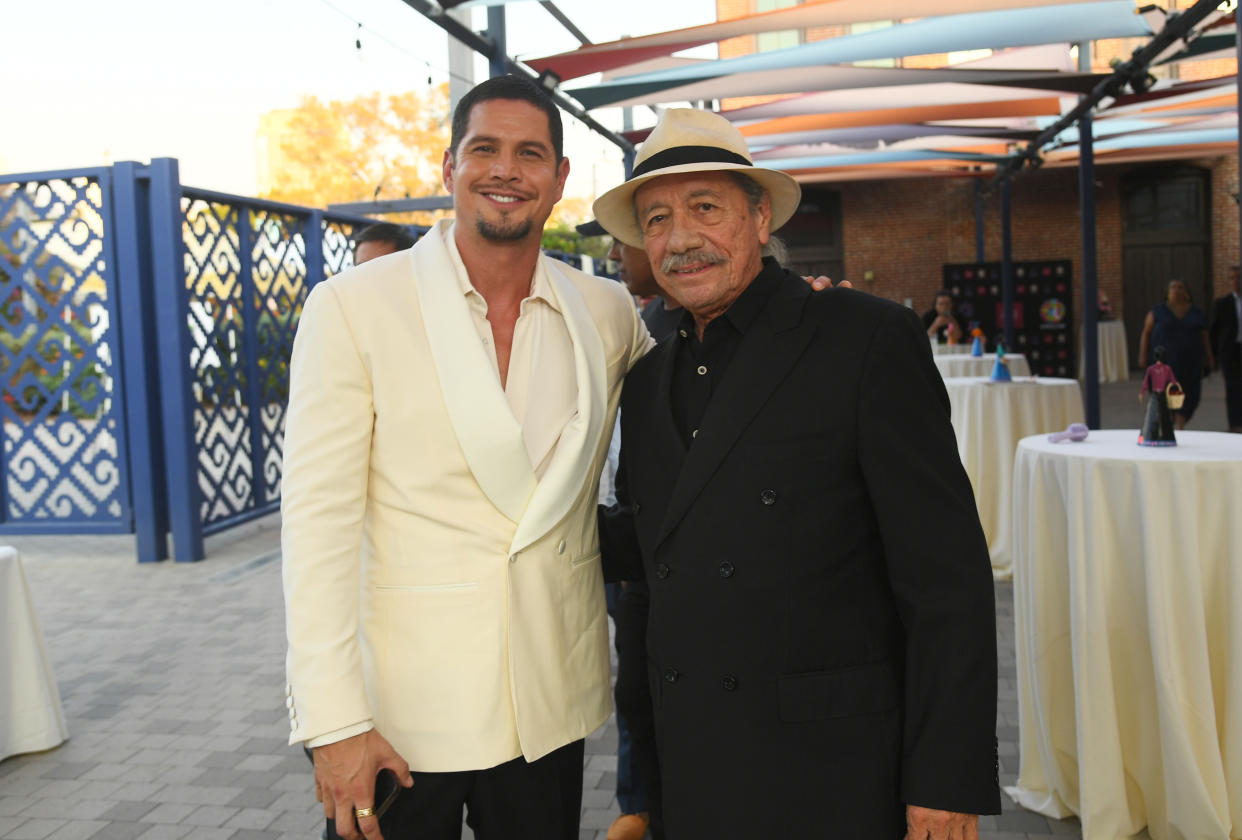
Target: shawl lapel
(569, 468)
(489, 435)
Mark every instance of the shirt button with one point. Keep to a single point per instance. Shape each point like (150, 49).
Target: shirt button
(560, 547)
(662, 571)
(728, 683)
(513, 558)
(726, 569)
(671, 675)
(702, 370)
(768, 497)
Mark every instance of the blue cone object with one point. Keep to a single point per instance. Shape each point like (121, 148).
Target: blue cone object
(1000, 371)
(976, 349)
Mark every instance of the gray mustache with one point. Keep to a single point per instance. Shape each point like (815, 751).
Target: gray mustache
(676, 262)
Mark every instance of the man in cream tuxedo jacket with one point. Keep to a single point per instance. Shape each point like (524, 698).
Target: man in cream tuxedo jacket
(450, 409)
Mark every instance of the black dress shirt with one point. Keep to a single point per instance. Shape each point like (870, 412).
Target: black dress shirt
(701, 365)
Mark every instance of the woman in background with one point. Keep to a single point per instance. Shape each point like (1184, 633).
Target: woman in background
(1181, 328)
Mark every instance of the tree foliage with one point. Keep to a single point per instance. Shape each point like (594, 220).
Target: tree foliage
(372, 147)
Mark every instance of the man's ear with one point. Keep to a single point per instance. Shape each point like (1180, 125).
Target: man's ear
(763, 219)
(562, 172)
(446, 170)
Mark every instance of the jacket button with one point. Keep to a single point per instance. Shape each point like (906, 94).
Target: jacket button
(728, 683)
(671, 675)
(768, 497)
(726, 569)
(560, 547)
(637, 508)
(662, 571)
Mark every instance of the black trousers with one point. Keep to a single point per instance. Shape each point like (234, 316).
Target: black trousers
(1230, 362)
(517, 800)
(633, 694)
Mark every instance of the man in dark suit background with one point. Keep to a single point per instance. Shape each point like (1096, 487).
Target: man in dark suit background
(820, 667)
(1225, 343)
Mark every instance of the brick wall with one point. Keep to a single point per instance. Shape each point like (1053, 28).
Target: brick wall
(905, 230)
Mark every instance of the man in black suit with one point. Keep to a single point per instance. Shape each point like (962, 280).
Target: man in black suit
(1226, 313)
(822, 632)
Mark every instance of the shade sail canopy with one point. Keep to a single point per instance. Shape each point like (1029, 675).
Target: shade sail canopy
(835, 78)
(597, 58)
(977, 30)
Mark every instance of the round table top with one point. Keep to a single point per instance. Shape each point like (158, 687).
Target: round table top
(1027, 381)
(1122, 445)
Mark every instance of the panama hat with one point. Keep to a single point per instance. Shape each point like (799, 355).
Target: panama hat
(690, 140)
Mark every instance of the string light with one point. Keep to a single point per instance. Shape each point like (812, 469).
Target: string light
(362, 27)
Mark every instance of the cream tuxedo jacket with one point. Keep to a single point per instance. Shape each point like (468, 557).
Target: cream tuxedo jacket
(432, 585)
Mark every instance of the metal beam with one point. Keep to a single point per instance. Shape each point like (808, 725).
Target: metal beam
(395, 205)
(1178, 26)
(565, 22)
(487, 47)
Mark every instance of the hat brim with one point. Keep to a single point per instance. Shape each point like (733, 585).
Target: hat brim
(615, 208)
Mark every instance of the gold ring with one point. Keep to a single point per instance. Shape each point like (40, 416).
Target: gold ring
(364, 812)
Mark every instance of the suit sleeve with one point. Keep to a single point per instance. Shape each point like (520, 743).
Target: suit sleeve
(939, 569)
(323, 501)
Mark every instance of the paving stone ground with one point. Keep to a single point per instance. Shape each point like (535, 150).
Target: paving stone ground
(171, 677)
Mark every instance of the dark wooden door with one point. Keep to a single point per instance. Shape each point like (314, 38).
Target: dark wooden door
(813, 236)
(1166, 235)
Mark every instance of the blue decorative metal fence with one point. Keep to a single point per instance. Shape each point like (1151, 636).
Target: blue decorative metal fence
(64, 437)
(144, 358)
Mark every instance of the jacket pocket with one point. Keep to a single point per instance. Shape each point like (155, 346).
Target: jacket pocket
(845, 692)
(430, 587)
(587, 558)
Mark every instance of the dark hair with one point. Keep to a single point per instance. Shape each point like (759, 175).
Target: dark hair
(942, 293)
(508, 87)
(385, 232)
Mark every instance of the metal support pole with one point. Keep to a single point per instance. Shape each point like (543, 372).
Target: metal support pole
(247, 350)
(1090, 298)
(177, 401)
(1090, 280)
(627, 156)
(140, 381)
(498, 61)
(978, 220)
(1006, 265)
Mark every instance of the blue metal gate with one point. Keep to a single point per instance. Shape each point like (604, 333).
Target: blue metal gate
(64, 453)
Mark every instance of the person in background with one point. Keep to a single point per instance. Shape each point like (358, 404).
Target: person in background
(1227, 342)
(941, 323)
(1181, 328)
(379, 239)
(638, 768)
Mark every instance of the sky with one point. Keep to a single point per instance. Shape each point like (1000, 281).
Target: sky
(91, 83)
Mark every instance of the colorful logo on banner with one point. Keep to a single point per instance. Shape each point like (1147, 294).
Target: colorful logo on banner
(1042, 288)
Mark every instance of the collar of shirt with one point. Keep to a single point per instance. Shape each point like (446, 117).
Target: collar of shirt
(743, 311)
(540, 285)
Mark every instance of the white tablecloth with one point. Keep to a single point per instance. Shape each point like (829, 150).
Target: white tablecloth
(1127, 586)
(967, 365)
(949, 349)
(989, 419)
(30, 715)
(1114, 356)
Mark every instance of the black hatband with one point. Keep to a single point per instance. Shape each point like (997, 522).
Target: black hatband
(679, 155)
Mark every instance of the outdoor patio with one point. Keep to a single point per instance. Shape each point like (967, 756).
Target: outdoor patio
(172, 681)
